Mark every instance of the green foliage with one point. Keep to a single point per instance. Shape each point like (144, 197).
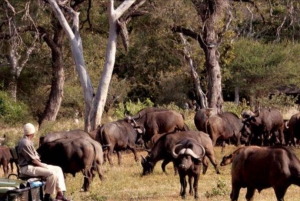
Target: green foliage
(237, 109)
(278, 100)
(131, 108)
(259, 68)
(12, 112)
(221, 189)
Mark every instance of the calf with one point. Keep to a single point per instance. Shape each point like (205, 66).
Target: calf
(227, 159)
(6, 159)
(260, 168)
(188, 154)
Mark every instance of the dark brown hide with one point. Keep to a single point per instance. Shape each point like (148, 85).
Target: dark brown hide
(64, 135)
(6, 159)
(158, 122)
(293, 127)
(116, 136)
(265, 124)
(74, 155)
(264, 167)
(162, 150)
(224, 126)
(188, 154)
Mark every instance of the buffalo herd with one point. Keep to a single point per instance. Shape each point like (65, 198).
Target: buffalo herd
(261, 138)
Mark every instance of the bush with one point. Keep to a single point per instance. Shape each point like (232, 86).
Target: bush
(219, 190)
(131, 108)
(279, 100)
(12, 112)
(237, 109)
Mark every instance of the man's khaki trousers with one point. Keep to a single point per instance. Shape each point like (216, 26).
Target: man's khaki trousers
(55, 180)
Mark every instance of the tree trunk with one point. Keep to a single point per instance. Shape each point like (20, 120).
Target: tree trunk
(93, 110)
(208, 11)
(194, 75)
(77, 51)
(58, 75)
(236, 95)
(101, 95)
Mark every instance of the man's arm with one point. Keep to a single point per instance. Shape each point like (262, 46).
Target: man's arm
(38, 163)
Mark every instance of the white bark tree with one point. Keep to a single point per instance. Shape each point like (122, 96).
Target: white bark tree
(94, 106)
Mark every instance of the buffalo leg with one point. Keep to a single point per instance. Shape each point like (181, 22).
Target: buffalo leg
(109, 154)
(105, 153)
(205, 165)
(87, 179)
(250, 194)
(223, 146)
(132, 148)
(183, 186)
(280, 192)
(5, 167)
(119, 157)
(196, 179)
(234, 195)
(213, 161)
(164, 164)
(191, 192)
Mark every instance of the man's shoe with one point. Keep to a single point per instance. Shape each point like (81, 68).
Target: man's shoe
(62, 198)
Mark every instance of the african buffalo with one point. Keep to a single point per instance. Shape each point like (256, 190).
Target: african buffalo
(224, 126)
(158, 122)
(162, 150)
(264, 124)
(293, 129)
(117, 136)
(49, 137)
(227, 159)
(201, 117)
(264, 167)
(188, 155)
(74, 155)
(6, 159)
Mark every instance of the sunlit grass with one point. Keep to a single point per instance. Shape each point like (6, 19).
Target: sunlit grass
(124, 182)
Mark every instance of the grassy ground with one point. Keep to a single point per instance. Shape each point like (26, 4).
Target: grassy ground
(124, 182)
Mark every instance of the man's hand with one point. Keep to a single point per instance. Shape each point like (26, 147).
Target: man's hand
(38, 163)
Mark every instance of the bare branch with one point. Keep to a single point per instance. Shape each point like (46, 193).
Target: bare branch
(191, 34)
(279, 29)
(251, 22)
(28, 53)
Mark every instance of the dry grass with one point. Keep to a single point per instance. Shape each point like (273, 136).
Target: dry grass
(126, 184)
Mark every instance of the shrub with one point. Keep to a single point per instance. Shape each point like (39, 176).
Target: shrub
(219, 190)
(12, 112)
(237, 109)
(131, 108)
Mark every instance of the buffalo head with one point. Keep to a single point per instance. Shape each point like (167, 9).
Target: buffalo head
(147, 165)
(187, 152)
(226, 160)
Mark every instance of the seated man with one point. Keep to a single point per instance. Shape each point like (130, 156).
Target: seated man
(31, 165)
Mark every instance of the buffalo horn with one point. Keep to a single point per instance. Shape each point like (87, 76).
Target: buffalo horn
(173, 151)
(135, 124)
(194, 155)
(286, 124)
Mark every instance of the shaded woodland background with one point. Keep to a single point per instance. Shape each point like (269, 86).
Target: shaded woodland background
(258, 54)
